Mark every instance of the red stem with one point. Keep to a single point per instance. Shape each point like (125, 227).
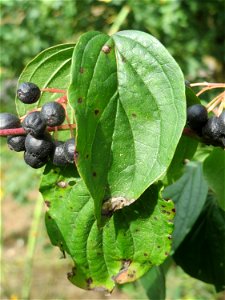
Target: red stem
(53, 90)
(21, 131)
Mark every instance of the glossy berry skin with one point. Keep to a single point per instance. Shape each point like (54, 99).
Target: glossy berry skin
(222, 123)
(8, 121)
(53, 113)
(197, 116)
(211, 130)
(69, 150)
(39, 146)
(28, 92)
(33, 161)
(58, 158)
(34, 124)
(16, 142)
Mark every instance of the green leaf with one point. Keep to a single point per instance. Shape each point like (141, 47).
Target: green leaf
(201, 254)
(150, 286)
(129, 99)
(214, 171)
(154, 284)
(50, 68)
(115, 253)
(191, 98)
(189, 195)
(185, 150)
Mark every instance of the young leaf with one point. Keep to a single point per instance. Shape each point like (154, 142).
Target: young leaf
(129, 99)
(132, 241)
(189, 195)
(50, 68)
(201, 254)
(214, 172)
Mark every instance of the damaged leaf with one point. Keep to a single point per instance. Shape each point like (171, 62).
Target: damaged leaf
(133, 240)
(129, 102)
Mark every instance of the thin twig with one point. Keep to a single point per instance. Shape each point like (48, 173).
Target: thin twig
(209, 88)
(21, 131)
(215, 99)
(217, 102)
(207, 84)
(121, 17)
(53, 90)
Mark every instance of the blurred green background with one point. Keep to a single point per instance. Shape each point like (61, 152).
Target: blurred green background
(192, 31)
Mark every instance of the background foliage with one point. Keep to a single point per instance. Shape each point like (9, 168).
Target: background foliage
(191, 31)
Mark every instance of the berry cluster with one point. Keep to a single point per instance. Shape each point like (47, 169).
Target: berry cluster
(211, 129)
(37, 143)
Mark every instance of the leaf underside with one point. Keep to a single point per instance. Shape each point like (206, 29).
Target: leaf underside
(214, 173)
(129, 99)
(201, 254)
(131, 242)
(189, 195)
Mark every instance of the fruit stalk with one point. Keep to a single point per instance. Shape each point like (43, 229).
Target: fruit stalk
(21, 131)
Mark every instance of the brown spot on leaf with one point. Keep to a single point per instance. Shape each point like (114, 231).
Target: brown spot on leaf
(145, 254)
(134, 115)
(174, 210)
(94, 174)
(106, 49)
(69, 275)
(166, 253)
(81, 70)
(123, 58)
(62, 184)
(125, 274)
(115, 203)
(48, 203)
(89, 281)
(165, 212)
(72, 273)
(96, 112)
(80, 100)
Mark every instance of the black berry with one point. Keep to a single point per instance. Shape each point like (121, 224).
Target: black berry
(58, 158)
(197, 117)
(28, 92)
(34, 124)
(33, 161)
(69, 150)
(211, 130)
(222, 123)
(53, 113)
(16, 142)
(39, 146)
(8, 121)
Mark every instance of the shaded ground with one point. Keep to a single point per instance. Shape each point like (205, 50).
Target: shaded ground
(49, 279)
